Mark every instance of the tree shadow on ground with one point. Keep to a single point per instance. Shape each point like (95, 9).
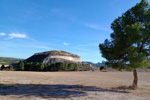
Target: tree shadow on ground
(51, 91)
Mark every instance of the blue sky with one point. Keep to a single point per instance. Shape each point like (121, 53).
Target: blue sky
(75, 26)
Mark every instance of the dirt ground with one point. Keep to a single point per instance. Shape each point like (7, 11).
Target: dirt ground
(17, 85)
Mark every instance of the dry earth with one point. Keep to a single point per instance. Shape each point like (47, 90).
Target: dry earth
(72, 86)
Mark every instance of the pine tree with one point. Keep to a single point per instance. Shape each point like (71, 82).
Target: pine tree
(11, 67)
(42, 67)
(129, 46)
(21, 65)
(2, 67)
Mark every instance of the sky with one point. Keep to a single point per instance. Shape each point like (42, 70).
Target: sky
(75, 26)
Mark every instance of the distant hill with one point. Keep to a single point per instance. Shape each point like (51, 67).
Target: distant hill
(95, 64)
(8, 60)
(99, 64)
(55, 60)
(54, 56)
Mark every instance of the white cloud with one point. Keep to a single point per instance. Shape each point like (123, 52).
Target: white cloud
(98, 27)
(3, 34)
(66, 43)
(95, 26)
(16, 35)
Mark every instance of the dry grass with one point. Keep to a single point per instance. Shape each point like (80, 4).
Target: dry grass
(72, 85)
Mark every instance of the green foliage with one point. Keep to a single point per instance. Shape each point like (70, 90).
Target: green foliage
(46, 67)
(129, 46)
(102, 68)
(52, 67)
(70, 66)
(36, 66)
(28, 66)
(65, 66)
(59, 66)
(75, 67)
(41, 67)
(2, 67)
(11, 67)
(20, 65)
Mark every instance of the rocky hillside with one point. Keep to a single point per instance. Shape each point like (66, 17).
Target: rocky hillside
(53, 57)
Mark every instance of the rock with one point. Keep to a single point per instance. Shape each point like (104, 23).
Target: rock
(53, 57)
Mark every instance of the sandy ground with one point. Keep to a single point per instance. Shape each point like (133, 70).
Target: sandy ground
(72, 86)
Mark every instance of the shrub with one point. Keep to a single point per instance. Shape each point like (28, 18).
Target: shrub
(46, 67)
(59, 66)
(70, 66)
(2, 67)
(52, 67)
(28, 66)
(102, 68)
(36, 66)
(11, 67)
(75, 68)
(20, 66)
(41, 67)
(65, 66)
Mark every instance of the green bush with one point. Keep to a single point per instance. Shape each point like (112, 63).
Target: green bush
(59, 66)
(20, 66)
(70, 67)
(41, 67)
(2, 67)
(28, 66)
(46, 67)
(65, 66)
(102, 68)
(11, 67)
(52, 67)
(75, 67)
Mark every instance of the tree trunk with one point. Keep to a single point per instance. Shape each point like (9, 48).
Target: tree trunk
(135, 81)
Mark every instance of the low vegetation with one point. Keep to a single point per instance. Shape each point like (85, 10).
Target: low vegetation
(59, 66)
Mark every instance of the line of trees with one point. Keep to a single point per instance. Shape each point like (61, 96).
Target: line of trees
(60, 66)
